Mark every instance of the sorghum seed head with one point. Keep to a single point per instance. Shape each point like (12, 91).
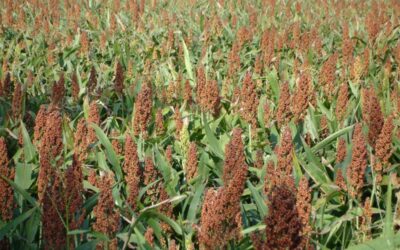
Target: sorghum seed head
(250, 101)
(151, 175)
(107, 218)
(94, 118)
(159, 122)
(283, 223)
(51, 146)
(220, 215)
(284, 152)
(17, 101)
(191, 167)
(283, 114)
(339, 180)
(341, 150)
(356, 170)
(187, 95)
(6, 194)
(303, 204)
(58, 92)
(372, 114)
(302, 96)
(132, 171)
(119, 78)
(342, 101)
(143, 105)
(91, 85)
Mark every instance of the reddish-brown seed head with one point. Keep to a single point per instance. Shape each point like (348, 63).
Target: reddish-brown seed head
(51, 146)
(372, 114)
(94, 118)
(356, 170)
(341, 150)
(284, 152)
(107, 218)
(220, 216)
(17, 101)
(143, 106)
(6, 194)
(191, 165)
(249, 101)
(119, 78)
(342, 101)
(132, 170)
(302, 97)
(159, 122)
(58, 91)
(283, 223)
(283, 114)
(303, 205)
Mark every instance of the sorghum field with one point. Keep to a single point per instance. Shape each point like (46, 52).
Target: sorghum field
(199, 124)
